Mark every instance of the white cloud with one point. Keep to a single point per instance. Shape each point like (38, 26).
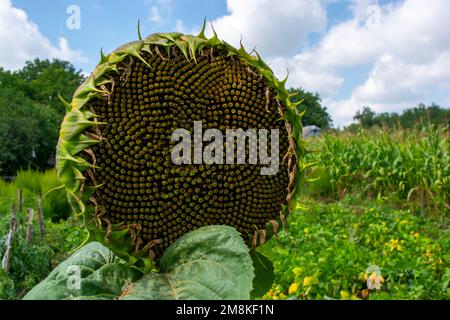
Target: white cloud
(393, 85)
(308, 75)
(404, 45)
(407, 50)
(21, 40)
(342, 111)
(414, 30)
(394, 80)
(278, 31)
(273, 27)
(361, 8)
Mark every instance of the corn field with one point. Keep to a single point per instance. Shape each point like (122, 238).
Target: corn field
(404, 166)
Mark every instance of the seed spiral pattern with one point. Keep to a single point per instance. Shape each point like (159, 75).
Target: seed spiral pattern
(140, 184)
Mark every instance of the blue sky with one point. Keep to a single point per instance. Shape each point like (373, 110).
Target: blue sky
(387, 54)
(109, 24)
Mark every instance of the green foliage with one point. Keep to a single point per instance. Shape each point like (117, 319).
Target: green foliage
(366, 117)
(92, 271)
(29, 180)
(8, 196)
(54, 201)
(330, 247)
(44, 80)
(30, 264)
(25, 126)
(384, 202)
(207, 263)
(425, 115)
(417, 117)
(315, 113)
(409, 167)
(6, 286)
(31, 112)
(264, 275)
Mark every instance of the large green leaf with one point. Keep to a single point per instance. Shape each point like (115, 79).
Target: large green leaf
(264, 275)
(93, 272)
(208, 263)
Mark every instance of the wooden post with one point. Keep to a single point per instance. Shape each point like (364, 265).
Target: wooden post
(9, 240)
(19, 200)
(30, 215)
(41, 215)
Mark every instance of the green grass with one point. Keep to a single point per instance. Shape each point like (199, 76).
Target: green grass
(54, 202)
(8, 196)
(29, 180)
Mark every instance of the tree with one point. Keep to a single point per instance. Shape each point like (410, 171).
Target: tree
(423, 115)
(315, 113)
(389, 120)
(365, 118)
(44, 80)
(28, 132)
(419, 116)
(31, 112)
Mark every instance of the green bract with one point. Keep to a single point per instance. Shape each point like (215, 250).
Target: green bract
(113, 155)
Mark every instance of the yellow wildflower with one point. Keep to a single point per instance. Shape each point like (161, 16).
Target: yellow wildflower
(428, 252)
(297, 271)
(415, 235)
(307, 281)
(293, 288)
(345, 295)
(363, 276)
(394, 245)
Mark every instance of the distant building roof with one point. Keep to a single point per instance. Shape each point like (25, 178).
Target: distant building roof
(310, 131)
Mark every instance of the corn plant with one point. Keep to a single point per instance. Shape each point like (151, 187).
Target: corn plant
(407, 165)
